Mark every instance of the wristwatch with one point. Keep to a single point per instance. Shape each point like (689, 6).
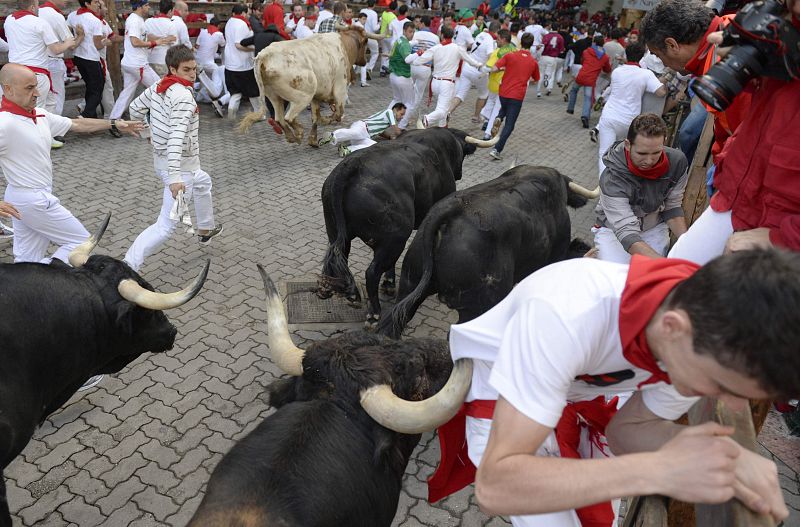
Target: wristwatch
(114, 128)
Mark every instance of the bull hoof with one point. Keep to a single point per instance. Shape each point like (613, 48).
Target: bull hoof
(313, 144)
(354, 301)
(388, 289)
(372, 322)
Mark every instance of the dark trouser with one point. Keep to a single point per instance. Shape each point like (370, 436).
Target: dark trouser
(270, 108)
(509, 111)
(92, 74)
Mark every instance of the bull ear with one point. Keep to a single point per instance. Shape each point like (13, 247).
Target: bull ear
(124, 321)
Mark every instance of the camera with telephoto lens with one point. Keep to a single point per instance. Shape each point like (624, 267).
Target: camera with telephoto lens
(764, 45)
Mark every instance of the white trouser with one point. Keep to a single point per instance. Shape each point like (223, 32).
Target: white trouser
(58, 71)
(386, 49)
(610, 249)
(490, 112)
(212, 79)
(402, 91)
(470, 76)
(356, 134)
(609, 131)
(47, 99)
(236, 100)
(559, 71)
(477, 433)
(108, 96)
(548, 74)
(44, 220)
(444, 91)
(575, 69)
(421, 77)
(372, 46)
(198, 187)
(132, 77)
(705, 239)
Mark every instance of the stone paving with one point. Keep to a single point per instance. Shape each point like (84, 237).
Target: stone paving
(138, 449)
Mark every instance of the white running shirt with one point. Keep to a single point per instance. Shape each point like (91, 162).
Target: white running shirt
(236, 60)
(628, 84)
(28, 38)
(134, 57)
(25, 147)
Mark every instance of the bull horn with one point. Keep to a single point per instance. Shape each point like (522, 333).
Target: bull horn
(513, 163)
(131, 291)
(415, 417)
(374, 36)
(585, 192)
(285, 354)
(482, 143)
(81, 253)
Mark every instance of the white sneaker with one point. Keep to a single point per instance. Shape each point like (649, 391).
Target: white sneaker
(365, 85)
(91, 382)
(55, 144)
(494, 154)
(326, 139)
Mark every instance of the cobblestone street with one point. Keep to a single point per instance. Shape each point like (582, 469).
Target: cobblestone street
(138, 449)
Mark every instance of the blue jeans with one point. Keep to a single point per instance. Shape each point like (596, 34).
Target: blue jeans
(690, 130)
(509, 111)
(587, 99)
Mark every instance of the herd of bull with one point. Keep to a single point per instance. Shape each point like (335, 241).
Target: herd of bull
(353, 407)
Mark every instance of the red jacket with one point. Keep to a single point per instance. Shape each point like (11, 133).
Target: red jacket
(591, 66)
(273, 14)
(483, 9)
(758, 171)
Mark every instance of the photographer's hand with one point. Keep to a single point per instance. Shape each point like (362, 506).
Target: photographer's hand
(716, 39)
(752, 239)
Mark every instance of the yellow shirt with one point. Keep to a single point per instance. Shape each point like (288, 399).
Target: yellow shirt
(497, 77)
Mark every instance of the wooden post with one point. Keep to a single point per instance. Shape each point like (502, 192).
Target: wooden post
(732, 513)
(695, 198)
(646, 511)
(113, 53)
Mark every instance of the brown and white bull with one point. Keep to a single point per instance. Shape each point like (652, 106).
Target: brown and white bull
(294, 74)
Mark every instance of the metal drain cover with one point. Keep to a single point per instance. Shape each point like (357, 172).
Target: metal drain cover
(303, 306)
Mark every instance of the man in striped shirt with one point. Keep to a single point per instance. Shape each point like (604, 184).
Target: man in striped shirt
(172, 113)
(360, 133)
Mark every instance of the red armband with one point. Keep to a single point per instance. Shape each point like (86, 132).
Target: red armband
(153, 44)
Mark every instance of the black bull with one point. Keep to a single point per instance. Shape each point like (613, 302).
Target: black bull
(61, 325)
(335, 451)
(474, 245)
(381, 194)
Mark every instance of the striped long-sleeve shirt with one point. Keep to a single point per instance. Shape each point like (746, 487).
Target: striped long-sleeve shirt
(174, 124)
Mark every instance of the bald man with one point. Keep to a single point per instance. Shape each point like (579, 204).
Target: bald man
(181, 10)
(25, 135)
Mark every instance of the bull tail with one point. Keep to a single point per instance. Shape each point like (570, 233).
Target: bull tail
(405, 308)
(336, 275)
(253, 117)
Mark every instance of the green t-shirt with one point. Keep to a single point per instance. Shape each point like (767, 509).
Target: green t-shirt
(386, 19)
(379, 122)
(397, 59)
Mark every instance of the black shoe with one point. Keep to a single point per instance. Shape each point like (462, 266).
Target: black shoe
(60, 139)
(593, 135)
(585, 121)
(570, 111)
(205, 238)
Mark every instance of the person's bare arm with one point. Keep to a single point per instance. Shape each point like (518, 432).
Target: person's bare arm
(99, 41)
(677, 226)
(97, 125)
(644, 249)
(697, 465)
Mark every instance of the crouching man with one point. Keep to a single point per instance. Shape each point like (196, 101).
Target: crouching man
(360, 133)
(548, 358)
(171, 110)
(641, 193)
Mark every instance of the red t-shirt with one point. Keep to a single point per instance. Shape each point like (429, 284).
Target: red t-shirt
(520, 67)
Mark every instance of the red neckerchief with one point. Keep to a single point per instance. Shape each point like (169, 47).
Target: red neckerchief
(169, 80)
(296, 19)
(21, 13)
(162, 15)
(649, 282)
(84, 10)
(494, 37)
(796, 22)
(696, 64)
(52, 6)
(654, 172)
(16, 109)
(401, 17)
(633, 64)
(622, 42)
(446, 41)
(243, 19)
(176, 13)
(211, 28)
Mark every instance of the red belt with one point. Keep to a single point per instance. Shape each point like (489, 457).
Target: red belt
(430, 87)
(456, 471)
(43, 71)
(103, 65)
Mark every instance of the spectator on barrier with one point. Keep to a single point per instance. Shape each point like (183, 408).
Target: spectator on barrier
(641, 194)
(757, 202)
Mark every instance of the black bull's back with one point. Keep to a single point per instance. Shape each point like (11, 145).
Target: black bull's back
(479, 242)
(308, 464)
(381, 194)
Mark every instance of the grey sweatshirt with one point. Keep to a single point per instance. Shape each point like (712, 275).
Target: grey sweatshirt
(629, 204)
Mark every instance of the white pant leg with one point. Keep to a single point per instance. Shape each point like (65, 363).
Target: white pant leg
(495, 113)
(386, 49)
(131, 79)
(575, 69)
(610, 249)
(108, 96)
(44, 220)
(57, 70)
(559, 70)
(477, 432)
(421, 77)
(372, 46)
(394, 83)
(705, 239)
(405, 90)
(444, 91)
(548, 65)
(210, 79)
(154, 236)
(46, 98)
(491, 100)
(356, 134)
(609, 131)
